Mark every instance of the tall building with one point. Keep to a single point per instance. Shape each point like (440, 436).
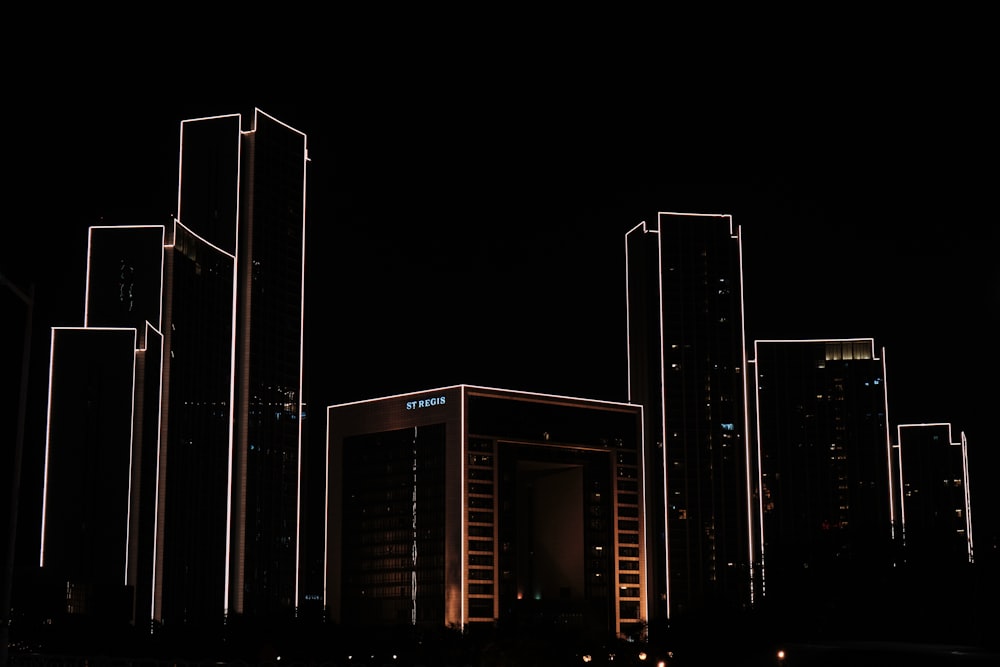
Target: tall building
(174, 431)
(17, 304)
(937, 568)
(227, 540)
(823, 488)
(687, 362)
(465, 506)
(932, 470)
(102, 424)
(195, 461)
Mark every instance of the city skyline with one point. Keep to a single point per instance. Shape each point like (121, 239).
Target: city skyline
(516, 329)
(545, 243)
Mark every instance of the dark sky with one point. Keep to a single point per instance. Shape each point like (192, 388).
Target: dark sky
(465, 230)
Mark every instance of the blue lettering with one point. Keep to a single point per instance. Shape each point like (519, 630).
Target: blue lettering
(425, 402)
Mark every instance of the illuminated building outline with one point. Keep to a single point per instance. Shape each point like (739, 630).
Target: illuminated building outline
(456, 411)
(758, 437)
(232, 346)
(181, 239)
(141, 334)
(236, 493)
(657, 360)
(48, 421)
(962, 444)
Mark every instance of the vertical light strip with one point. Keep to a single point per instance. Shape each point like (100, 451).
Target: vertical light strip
(48, 437)
(302, 317)
(163, 269)
(326, 509)
(761, 575)
(663, 407)
(628, 315)
(162, 442)
(131, 446)
(86, 289)
(628, 327)
(159, 414)
(156, 494)
(645, 519)
(746, 409)
(232, 374)
(888, 448)
(628, 309)
(464, 549)
(968, 501)
(902, 503)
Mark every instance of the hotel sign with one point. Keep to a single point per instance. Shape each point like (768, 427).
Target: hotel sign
(425, 403)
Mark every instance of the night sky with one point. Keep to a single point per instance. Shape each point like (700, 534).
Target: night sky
(471, 229)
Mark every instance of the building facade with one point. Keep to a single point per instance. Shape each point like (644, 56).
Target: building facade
(466, 505)
(932, 470)
(687, 363)
(937, 568)
(825, 502)
(102, 428)
(17, 303)
(191, 358)
(232, 423)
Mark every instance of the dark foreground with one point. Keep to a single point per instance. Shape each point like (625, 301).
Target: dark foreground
(329, 646)
(862, 654)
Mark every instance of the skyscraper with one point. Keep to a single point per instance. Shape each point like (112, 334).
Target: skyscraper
(933, 485)
(191, 357)
(18, 304)
(687, 361)
(228, 540)
(104, 389)
(822, 486)
(937, 568)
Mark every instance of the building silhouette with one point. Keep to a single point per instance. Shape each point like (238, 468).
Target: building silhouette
(173, 471)
(174, 433)
(102, 426)
(937, 569)
(17, 303)
(933, 485)
(822, 483)
(687, 367)
(233, 434)
(464, 506)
